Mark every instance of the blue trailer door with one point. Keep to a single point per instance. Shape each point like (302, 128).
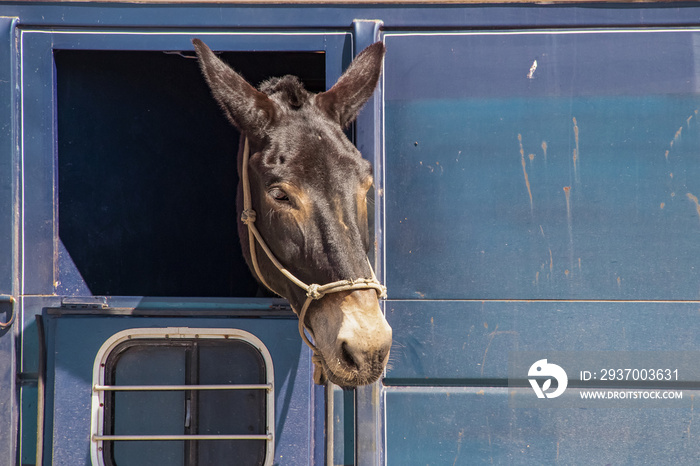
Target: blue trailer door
(541, 194)
(128, 190)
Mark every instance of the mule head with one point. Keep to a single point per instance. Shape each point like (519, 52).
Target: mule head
(308, 186)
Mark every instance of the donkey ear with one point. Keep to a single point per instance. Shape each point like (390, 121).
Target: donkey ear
(343, 101)
(247, 108)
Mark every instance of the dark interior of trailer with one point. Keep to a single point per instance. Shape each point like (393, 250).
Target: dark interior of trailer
(147, 170)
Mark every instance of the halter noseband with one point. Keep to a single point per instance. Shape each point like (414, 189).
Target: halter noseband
(313, 291)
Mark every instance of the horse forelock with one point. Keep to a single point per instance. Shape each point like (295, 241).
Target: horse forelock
(288, 90)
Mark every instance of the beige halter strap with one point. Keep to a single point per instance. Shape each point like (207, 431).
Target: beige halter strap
(313, 291)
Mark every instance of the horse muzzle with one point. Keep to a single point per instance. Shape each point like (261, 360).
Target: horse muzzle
(352, 338)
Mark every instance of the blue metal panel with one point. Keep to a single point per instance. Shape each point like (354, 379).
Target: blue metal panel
(540, 167)
(464, 426)
(8, 154)
(29, 367)
(37, 165)
(9, 408)
(578, 182)
(217, 15)
(467, 342)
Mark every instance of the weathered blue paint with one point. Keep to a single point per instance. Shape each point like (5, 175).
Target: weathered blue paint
(556, 184)
(473, 425)
(488, 240)
(463, 342)
(575, 184)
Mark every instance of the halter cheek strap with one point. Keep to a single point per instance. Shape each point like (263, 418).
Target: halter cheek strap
(313, 291)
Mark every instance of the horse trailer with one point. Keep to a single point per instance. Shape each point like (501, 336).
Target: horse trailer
(532, 228)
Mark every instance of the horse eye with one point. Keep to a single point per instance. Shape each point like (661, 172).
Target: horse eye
(279, 195)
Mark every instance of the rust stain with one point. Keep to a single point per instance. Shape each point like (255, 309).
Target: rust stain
(522, 159)
(460, 436)
(551, 261)
(492, 335)
(576, 149)
(662, 205)
(695, 201)
(575, 133)
(567, 194)
(677, 136)
(666, 155)
(566, 272)
(532, 157)
(520, 141)
(619, 282)
(544, 150)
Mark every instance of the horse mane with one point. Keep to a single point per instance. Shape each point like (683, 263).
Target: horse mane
(288, 89)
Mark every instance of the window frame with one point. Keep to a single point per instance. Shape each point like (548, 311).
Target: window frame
(99, 387)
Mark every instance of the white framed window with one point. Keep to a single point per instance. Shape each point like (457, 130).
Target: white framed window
(182, 396)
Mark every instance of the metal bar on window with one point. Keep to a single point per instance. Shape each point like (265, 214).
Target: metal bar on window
(159, 388)
(106, 438)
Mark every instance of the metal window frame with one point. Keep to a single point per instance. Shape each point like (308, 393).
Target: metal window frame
(99, 387)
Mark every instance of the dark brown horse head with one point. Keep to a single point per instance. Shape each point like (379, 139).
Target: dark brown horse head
(308, 187)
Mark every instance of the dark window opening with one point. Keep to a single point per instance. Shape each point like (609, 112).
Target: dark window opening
(159, 362)
(147, 171)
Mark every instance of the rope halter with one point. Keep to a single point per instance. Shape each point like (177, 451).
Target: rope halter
(313, 291)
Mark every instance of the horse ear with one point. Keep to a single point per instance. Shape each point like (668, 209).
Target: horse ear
(247, 108)
(343, 101)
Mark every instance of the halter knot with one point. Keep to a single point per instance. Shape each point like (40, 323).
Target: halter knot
(248, 216)
(313, 291)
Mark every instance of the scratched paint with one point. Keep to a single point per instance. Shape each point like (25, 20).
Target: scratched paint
(576, 149)
(624, 179)
(522, 159)
(544, 150)
(570, 227)
(533, 68)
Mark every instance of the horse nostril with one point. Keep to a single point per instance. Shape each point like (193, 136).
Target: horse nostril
(347, 355)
